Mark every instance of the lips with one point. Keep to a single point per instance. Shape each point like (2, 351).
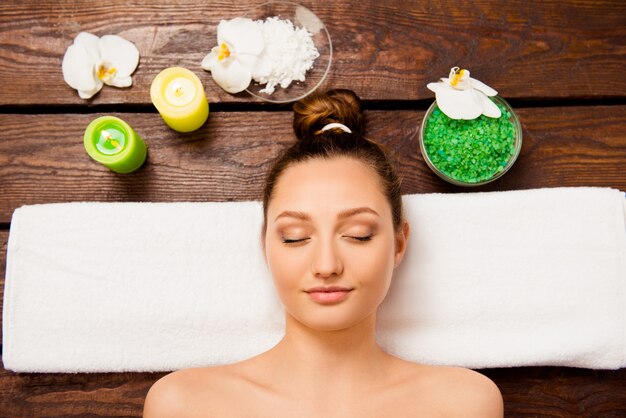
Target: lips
(328, 289)
(328, 294)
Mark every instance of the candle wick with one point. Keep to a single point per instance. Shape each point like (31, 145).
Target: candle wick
(107, 138)
(179, 91)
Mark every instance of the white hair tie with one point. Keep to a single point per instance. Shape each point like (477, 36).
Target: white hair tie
(336, 125)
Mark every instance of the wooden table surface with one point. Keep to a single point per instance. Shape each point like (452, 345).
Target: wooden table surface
(560, 64)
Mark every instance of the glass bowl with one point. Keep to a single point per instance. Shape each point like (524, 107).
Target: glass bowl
(300, 16)
(451, 165)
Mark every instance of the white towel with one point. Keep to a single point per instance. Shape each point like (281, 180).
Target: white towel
(491, 279)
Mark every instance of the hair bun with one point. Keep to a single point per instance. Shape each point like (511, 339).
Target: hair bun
(317, 110)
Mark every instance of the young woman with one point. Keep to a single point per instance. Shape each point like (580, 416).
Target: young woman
(333, 234)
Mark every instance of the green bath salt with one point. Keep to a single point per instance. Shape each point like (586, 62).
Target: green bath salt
(470, 151)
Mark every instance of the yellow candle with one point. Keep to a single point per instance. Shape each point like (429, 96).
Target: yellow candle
(178, 95)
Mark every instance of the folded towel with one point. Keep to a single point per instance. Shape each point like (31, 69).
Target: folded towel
(491, 279)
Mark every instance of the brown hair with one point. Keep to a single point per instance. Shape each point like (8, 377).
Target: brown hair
(314, 112)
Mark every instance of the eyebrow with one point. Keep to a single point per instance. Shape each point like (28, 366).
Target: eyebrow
(340, 216)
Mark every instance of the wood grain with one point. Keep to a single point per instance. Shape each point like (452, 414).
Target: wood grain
(42, 159)
(382, 50)
(73, 395)
(561, 391)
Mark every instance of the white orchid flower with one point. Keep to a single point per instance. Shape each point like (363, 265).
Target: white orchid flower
(90, 62)
(234, 60)
(461, 97)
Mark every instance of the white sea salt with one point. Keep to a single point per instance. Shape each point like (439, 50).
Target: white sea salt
(288, 54)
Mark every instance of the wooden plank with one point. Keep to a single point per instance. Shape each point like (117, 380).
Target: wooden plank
(74, 395)
(382, 50)
(42, 159)
(561, 391)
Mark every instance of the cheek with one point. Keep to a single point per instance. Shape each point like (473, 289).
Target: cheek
(374, 267)
(285, 264)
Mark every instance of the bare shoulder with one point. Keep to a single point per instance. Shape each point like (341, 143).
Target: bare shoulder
(166, 396)
(456, 391)
(477, 395)
(186, 392)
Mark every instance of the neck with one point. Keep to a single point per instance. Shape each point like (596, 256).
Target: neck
(344, 359)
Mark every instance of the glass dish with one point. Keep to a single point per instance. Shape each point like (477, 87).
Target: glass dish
(300, 16)
(517, 146)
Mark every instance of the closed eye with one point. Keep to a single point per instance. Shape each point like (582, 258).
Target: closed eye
(302, 240)
(293, 241)
(362, 239)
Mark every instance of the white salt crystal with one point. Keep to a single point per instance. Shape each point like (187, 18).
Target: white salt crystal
(288, 54)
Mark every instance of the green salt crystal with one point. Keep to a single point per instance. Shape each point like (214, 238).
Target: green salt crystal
(470, 151)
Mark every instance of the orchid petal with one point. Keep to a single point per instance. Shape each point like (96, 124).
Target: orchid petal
(209, 61)
(78, 68)
(245, 36)
(118, 81)
(263, 68)
(435, 87)
(248, 61)
(90, 43)
(122, 54)
(479, 85)
(458, 104)
(489, 108)
(88, 94)
(231, 76)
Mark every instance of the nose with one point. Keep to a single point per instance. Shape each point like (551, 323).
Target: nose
(327, 262)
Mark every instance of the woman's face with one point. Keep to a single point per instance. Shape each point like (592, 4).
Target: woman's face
(330, 242)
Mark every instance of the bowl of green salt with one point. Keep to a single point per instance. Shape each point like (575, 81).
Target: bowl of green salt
(471, 152)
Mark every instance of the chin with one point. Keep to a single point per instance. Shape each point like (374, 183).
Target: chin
(330, 321)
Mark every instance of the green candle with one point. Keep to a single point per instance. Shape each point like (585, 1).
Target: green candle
(113, 143)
